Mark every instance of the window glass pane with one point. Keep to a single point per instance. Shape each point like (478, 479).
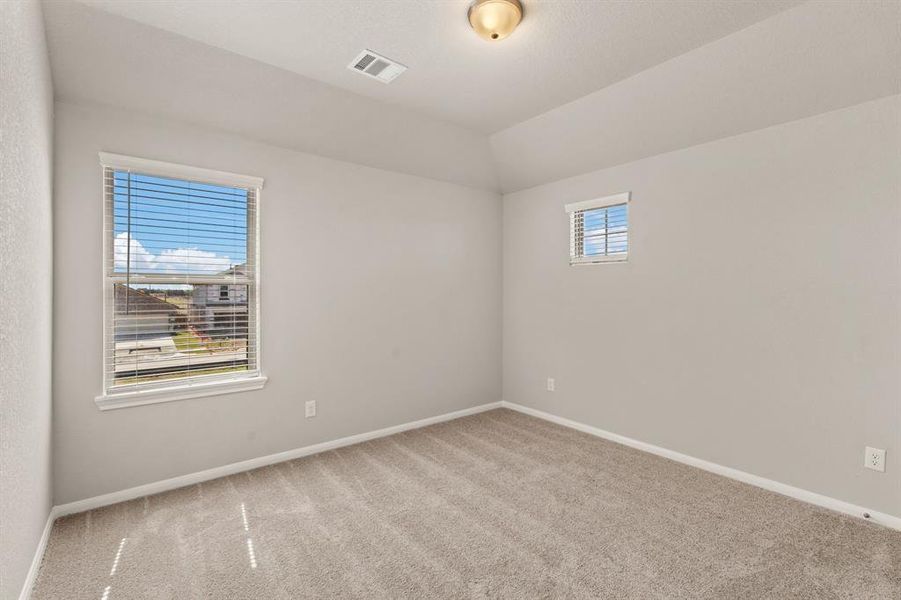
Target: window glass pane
(616, 218)
(605, 231)
(164, 331)
(181, 301)
(177, 227)
(594, 246)
(594, 220)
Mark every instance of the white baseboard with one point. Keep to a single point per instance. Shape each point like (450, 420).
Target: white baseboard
(38, 556)
(255, 463)
(768, 484)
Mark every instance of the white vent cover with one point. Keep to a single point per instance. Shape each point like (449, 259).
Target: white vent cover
(376, 66)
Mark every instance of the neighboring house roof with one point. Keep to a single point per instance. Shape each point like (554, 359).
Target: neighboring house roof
(240, 270)
(138, 301)
(236, 270)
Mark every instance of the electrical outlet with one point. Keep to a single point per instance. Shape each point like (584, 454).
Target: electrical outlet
(310, 408)
(874, 458)
(551, 386)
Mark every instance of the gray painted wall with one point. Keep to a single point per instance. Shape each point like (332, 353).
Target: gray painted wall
(380, 300)
(26, 115)
(757, 322)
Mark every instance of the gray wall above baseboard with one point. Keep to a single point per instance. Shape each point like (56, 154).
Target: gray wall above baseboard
(26, 290)
(755, 324)
(380, 299)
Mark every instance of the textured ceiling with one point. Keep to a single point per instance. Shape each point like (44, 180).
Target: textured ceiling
(98, 57)
(809, 58)
(816, 57)
(563, 50)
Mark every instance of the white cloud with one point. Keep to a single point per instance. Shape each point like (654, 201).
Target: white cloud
(141, 259)
(192, 261)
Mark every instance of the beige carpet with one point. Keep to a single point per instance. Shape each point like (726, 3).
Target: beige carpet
(498, 505)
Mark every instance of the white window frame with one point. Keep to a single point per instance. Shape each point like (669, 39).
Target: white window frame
(576, 207)
(202, 385)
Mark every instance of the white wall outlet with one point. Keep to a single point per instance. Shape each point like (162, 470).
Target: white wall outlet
(551, 385)
(874, 458)
(310, 408)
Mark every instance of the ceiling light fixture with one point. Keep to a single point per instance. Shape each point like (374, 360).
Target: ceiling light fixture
(494, 20)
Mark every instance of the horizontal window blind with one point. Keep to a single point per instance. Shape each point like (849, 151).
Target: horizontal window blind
(599, 234)
(181, 281)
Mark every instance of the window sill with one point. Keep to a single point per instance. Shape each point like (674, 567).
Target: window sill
(179, 392)
(598, 260)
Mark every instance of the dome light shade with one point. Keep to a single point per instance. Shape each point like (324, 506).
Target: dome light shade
(494, 20)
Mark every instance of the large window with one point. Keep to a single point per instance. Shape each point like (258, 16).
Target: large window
(599, 230)
(181, 277)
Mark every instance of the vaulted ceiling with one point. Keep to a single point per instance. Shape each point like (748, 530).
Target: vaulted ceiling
(563, 49)
(580, 85)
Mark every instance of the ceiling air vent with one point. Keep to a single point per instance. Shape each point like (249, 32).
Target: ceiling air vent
(376, 66)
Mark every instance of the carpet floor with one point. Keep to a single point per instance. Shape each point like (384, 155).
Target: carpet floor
(496, 505)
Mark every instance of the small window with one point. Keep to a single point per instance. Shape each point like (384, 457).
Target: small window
(599, 230)
(181, 276)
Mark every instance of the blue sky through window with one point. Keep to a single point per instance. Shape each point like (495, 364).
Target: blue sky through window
(177, 227)
(605, 230)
